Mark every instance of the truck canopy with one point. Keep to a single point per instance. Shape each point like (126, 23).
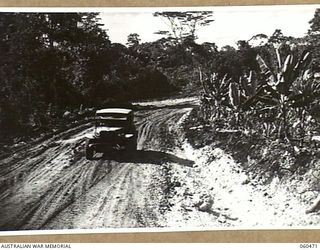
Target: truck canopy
(114, 117)
(110, 111)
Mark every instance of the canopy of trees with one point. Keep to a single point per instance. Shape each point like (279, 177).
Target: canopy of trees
(58, 61)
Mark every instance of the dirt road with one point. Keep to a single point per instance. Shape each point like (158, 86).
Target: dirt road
(52, 186)
(166, 183)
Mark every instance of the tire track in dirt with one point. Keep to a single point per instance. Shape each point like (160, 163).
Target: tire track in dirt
(59, 188)
(14, 168)
(154, 123)
(43, 175)
(131, 195)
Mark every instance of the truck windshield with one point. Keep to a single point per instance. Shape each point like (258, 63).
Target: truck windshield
(112, 123)
(110, 119)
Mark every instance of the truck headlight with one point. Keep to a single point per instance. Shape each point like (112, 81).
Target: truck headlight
(128, 135)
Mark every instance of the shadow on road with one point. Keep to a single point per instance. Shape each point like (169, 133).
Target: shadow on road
(146, 157)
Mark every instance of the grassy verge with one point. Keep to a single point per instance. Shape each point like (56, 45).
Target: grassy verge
(262, 158)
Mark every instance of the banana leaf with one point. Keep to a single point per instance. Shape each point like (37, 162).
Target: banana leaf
(265, 69)
(250, 102)
(279, 59)
(234, 95)
(268, 100)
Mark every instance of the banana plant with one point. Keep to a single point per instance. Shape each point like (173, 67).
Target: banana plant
(243, 94)
(278, 91)
(304, 93)
(215, 90)
(235, 97)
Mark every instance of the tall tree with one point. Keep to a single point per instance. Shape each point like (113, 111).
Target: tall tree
(45, 58)
(20, 38)
(133, 40)
(315, 23)
(184, 25)
(277, 37)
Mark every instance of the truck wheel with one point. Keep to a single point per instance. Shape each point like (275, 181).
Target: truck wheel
(89, 153)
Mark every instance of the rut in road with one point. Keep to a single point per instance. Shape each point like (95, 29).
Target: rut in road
(52, 186)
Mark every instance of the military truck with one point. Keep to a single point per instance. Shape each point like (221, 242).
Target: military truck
(114, 129)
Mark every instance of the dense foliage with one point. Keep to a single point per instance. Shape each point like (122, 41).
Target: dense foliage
(276, 96)
(53, 62)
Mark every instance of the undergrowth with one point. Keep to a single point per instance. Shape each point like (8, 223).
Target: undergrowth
(262, 157)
